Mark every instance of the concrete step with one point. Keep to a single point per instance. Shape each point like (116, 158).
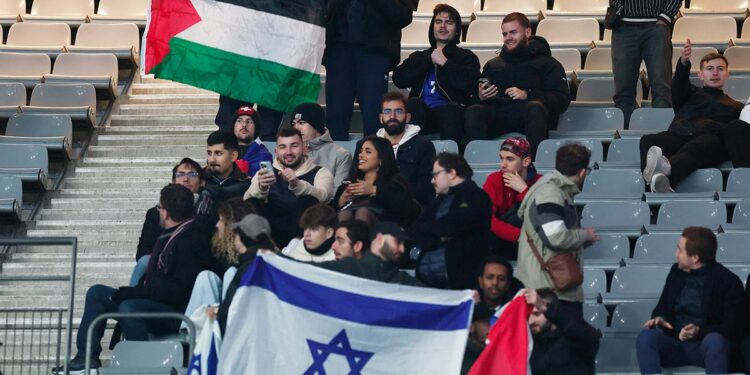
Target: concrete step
(140, 151)
(154, 161)
(125, 172)
(39, 268)
(153, 139)
(176, 109)
(136, 120)
(87, 234)
(166, 88)
(93, 214)
(89, 224)
(173, 99)
(105, 253)
(103, 192)
(114, 183)
(202, 130)
(143, 203)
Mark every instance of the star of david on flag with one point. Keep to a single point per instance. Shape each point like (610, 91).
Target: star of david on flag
(357, 359)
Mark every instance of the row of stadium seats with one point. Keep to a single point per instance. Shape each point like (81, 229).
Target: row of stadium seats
(75, 100)
(74, 12)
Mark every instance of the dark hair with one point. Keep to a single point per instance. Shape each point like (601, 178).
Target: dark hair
(496, 259)
(192, 164)
(318, 215)
(388, 170)
(520, 17)
(393, 96)
(454, 162)
(263, 241)
(287, 131)
(228, 139)
(357, 231)
(445, 8)
(546, 294)
(713, 56)
(571, 158)
(177, 200)
(701, 242)
(234, 209)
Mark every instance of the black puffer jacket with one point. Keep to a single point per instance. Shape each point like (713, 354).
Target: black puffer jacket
(532, 69)
(233, 186)
(456, 79)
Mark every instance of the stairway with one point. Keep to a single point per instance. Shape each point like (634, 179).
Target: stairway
(104, 201)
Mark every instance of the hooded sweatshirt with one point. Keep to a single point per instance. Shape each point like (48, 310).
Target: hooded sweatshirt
(320, 184)
(298, 251)
(414, 155)
(323, 152)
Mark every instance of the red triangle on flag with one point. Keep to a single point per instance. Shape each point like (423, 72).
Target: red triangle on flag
(168, 18)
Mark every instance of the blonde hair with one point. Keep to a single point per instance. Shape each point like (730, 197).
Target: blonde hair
(231, 211)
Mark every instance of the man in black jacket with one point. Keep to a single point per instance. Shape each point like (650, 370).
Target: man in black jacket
(224, 179)
(526, 88)
(696, 138)
(363, 43)
(697, 320)
(441, 78)
(177, 257)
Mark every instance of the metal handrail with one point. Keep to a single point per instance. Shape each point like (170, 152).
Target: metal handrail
(90, 331)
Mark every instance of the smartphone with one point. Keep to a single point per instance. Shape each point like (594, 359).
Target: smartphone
(346, 182)
(266, 165)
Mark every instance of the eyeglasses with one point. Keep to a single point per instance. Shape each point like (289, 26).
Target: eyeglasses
(397, 111)
(158, 206)
(434, 174)
(186, 174)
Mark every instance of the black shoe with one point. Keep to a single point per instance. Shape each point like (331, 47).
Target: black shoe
(77, 366)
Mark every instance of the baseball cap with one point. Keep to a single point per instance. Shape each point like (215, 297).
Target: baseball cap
(389, 227)
(517, 145)
(253, 226)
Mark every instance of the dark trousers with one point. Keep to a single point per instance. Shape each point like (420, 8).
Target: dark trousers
(284, 217)
(656, 349)
(685, 153)
(651, 43)
(269, 118)
(488, 121)
(353, 72)
(98, 302)
(448, 119)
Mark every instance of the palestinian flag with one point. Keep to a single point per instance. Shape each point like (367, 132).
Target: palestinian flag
(259, 51)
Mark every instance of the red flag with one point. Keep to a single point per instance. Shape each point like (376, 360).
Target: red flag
(163, 25)
(510, 342)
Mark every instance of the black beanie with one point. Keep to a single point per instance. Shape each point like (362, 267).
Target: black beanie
(311, 113)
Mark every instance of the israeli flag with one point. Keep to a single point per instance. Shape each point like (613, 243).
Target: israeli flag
(294, 318)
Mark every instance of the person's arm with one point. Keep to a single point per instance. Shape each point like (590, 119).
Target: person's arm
(321, 188)
(669, 9)
(460, 74)
(582, 337)
(149, 233)
(397, 12)
(255, 191)
(394, 198)
(732, 310)
(682, 89)
(343, 164)
(664, 308)
(555, 94)
(500, 228)
(413, 70)
(549, 222)
(466, 216)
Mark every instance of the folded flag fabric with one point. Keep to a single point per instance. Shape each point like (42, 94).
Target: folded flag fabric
(294, 318)
(510, 343)
(205, 357)
(259, 51)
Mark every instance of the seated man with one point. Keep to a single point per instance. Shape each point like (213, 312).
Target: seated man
(526, 89)
(694, 139)
(695, 322)
(308, 119)
(441, 78)
(507, 188)
(251, 150)
(317, 223)
(414, 152)
(176, 260)
(224, 179)
(351, 239)
(294, 184)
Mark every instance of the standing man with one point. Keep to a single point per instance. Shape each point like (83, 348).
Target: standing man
(641, 31)
(363, 43)
(251, 150)
(441, 78)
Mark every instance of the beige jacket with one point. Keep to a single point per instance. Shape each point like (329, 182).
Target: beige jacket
(321, 188)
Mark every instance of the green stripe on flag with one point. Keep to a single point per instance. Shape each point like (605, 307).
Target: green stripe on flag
(266, 83)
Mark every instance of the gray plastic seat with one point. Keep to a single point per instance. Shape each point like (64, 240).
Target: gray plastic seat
(741, 271)
(596, 315)
(479, 177)
(733, 248)
(446, 146)
(610, 250)
(594, 283)
(98, 69)
(648, 121)
(616, 218)
(12, 97)
(145, 357)
(598, 123)
(702, 184)
(350, 146)
(120, 39)
(75, 100)
(616, 355)
(611, 185)
(676, 215)
(481, 154)
(738, 186)
(738, 88)
(598, 92)
(740, 218)
(11, 197)
(545, 154)
(598, 64)
(623, 153)
(635, 283)
(55, 132)
(630, 317)
(655, 248)
(28, 162)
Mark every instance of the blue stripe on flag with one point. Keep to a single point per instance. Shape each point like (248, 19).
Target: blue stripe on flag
(355, 307)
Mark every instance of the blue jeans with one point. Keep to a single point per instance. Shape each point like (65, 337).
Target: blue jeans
(139, 270)
(98, 301)
(656, 349)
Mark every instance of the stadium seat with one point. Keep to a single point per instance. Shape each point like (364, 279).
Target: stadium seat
(589, 123)
(545, 154)
(744, 39)
(145, 357)
(741, 271)
(611, 185)
(12, 97)
(118, 11)
(446, 146)
(733, 248)
(578, 8)
(10, 11)
(738, 88)
(740, 218)
(599, 92)
(738, 186)
(270, 145)
(11, 198)
(464, 7)
(120, 39)
(616, 218)
(72, 12)
(596, 315)
(27, 37)
(578, 33)
(648, 121)
(414, 36)
(655, 248)
(484, 55)
(348, 145)
(569, 58)
(702, 184)
(608, 252)
(628, 318)
(713, 31)
(482, 154)
(616, 356)
(27, 68)
(636, 283)
(98, 69)
(598, 64)
(77, 101)
(498, 9)
(695, 57)
(675, 215)
(736, 9)
(739, 60)
(28, 162)
(54, 132)
(594, 283)
(622, 154)
(606, 41)
(484, 34)
(479, 177)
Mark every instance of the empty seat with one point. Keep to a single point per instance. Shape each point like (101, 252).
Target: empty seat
(28, 162)
(10, 11)
(630, 317)
(705, 31)
(12, 97)
(598, 91)
(738, 88)
(609, 250)
(569, 58)
(616, 355)
(733, 248)
(120, 39)
(739, 60)
(740, 218)
(484, 33)
(623, 154)
(72, 12)
(648, 121)
(655, 248)
(741, 271)
(702, 184)
(596, 315)
(75, 100)
(612, 185)
(485, 55)
(11, 198)
(98, 69)
(676, 215)
(598, 64)
(744, 39)
(414, 35)
(599, 123)
(738, 186)
(464, 7)
(545, 154)
(578, 33)
(736, 9)
(594, 283)
(616, 218)
(27, 68)
(348, 145)
(497, 9)
(482, 154)
(118, 11)
(695, 57)
(578, 8)
(446, 146)
(49, 38)
(145, 357)
(634, 283)
(55, 132)
(479, 177)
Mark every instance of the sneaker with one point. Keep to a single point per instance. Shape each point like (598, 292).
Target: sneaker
(660, 184)
(655, 163)
(77, 366)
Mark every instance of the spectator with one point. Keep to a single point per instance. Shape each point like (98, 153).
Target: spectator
(694, 139)
(175, 262)
(497, 286)
(526, 88)
(318, 224)
(696, 321)
(295, 184)
(641, 32)
(308, 119)
(375, 191)
(224, 179)
(363, 40)
(507, 188)
(453, 227)
(266, 126)
(351, 239)
(441, 78)
(251, 150)
(563, 342)
(414, 152)
(551, 223)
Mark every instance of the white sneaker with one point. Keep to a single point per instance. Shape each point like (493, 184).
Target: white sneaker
(656, 163)
(660, 184)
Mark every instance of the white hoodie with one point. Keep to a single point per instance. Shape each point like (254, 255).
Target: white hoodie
(410, 131)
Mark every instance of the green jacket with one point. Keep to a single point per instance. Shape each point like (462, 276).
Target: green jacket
(552, 222)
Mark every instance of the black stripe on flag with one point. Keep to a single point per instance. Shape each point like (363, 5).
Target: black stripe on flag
(309, 11)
